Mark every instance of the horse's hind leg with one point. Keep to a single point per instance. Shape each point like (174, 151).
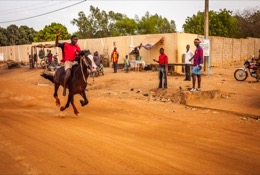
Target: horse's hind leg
(56, 88)
(85, 102)
(67, 104)
(76, 112)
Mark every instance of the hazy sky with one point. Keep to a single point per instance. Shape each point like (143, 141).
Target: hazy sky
(177, 10)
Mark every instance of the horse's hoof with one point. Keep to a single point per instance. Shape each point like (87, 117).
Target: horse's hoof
(62, 108)
(83, 103)
(77, 114)
(58, 104)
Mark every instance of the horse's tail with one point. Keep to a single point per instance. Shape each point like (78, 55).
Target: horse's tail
(48, 76)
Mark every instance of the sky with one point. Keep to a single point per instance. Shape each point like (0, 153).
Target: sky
(177, 10)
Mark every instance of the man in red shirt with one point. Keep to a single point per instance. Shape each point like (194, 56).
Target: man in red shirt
(69, 52)
(49, 57)
(163, 68)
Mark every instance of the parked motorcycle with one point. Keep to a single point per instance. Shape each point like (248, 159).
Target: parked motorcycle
(241, 74)
(51, 66)
(100, 70)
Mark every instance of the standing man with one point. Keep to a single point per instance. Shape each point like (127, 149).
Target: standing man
(69, 52)
(188, 55)
(97, 59)
(137, 54)
(198, 60)
(49, 56)
(114, 59)
(163, 68)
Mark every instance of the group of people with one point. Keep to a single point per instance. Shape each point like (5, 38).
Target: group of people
(197, 58)
(70, 50)
(115, 58)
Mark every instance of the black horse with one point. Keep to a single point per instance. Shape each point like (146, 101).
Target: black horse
(76, 84)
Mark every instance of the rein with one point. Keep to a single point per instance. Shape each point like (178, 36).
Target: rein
(84, 78)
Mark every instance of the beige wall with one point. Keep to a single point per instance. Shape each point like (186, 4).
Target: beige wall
(226, 50)
(182, 39)
(257, 47)
(223, 50)
(236, 49)
(216, 48)
(244, 50)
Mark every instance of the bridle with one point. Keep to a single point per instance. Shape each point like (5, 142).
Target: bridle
(82, 60)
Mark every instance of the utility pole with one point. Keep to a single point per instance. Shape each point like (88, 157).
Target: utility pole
(206, 32)
(206, 20)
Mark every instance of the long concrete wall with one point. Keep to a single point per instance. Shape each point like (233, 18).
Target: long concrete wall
(223, 50)
(227, 50)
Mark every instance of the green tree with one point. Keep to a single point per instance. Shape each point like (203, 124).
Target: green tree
(151, 24)
(3, 37)
(48, 33)
(84, 26)
(26, 35)
(12, 35)
(97, 24)
(102, 24)
(248, 22)
(221, 23)
(123, 27)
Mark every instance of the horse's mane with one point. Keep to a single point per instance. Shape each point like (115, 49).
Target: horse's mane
(83, 53)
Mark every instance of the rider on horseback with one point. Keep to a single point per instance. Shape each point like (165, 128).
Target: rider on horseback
(69, 52)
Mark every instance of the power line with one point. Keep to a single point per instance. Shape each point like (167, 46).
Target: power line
(24, 6)
(1, 22)
(22, 10)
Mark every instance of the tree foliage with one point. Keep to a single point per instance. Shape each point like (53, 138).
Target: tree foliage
(48, 33)
(26, 35)
(99, 23)
(221, 23)
(152, 24)
(14, 35)
(248, 22)
(3, 37)
(125, 26)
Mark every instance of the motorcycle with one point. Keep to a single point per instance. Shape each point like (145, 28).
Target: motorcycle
(241, 74)
(100, 70)
(52, 65)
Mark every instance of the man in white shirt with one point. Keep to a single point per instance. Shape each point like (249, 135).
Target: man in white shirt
(188, 55)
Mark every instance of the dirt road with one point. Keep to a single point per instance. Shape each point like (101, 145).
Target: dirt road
(121, 131)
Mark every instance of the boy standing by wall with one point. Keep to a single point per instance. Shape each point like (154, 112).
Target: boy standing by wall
(126, 62)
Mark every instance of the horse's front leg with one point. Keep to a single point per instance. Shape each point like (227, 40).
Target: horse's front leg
(85, 102)
(56, 88)
(67, 104)
(76, 112)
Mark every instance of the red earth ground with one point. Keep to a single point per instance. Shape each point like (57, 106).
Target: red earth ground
(121, 131)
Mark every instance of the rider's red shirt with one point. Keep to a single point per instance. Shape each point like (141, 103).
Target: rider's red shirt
(69, 51)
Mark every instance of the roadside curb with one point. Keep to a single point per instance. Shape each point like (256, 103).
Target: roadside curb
(252, 116)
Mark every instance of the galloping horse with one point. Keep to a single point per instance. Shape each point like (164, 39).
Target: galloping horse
(77, 82)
